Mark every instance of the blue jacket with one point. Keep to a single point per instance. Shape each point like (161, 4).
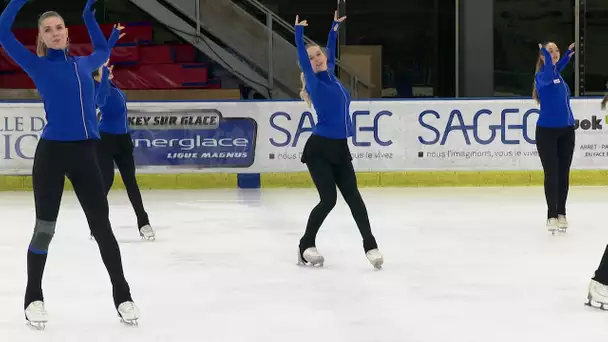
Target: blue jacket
(64, 82)
(112, 104)
(553, 93)
(329, 98)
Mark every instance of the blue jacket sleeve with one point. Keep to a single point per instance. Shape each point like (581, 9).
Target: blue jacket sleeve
(304, 60)
(103, 89)
(548, 72)
(561, 64)
(101, 55)
(331, 45)
(22, 56)
(97, 38)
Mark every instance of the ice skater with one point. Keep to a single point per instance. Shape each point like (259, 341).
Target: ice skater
(326, 153)
(116, 145)
(66, 148)
(555, 134)
(597, 295)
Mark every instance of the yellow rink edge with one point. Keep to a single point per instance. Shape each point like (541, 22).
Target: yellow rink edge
(365, 179)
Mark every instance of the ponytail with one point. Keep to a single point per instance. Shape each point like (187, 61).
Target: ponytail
(303, 93)
(539, 65)
(40, 47)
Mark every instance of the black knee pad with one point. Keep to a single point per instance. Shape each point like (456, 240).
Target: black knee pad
(43, 234)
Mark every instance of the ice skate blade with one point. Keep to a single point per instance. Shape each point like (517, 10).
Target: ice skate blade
(317, 263)
(152, 238)
(36, 325)
(596, 305)
(130, 322)
(558, 231)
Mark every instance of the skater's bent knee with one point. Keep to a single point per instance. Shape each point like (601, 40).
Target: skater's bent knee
(43, 234)
(328, 202)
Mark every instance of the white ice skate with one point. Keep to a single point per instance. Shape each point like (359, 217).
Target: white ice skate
(552, 225)
(147, 233)
(128, 312)
(311, 257)
(375, 257)
(36, 314)
(562, 223)
(597, 297)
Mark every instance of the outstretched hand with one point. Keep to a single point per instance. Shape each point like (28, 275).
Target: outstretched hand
(89, 6)
(341, 19)
(119, 28)
(109, 71)
(301, 23)
(571, 49)
(338, 21)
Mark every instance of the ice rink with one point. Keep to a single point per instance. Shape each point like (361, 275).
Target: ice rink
(466, 264)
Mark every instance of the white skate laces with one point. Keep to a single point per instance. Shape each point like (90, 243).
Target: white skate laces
(129, 313)
(147, 233)
(597, 297)
(36, 314)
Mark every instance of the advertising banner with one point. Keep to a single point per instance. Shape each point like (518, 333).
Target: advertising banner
(191, 138)
(176, 137)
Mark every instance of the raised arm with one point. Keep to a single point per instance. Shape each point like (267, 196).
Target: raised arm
(303, 58)
(103, 90)
(561, 64)
(97, 38)
(332, 37)
(22, 56)
(101, 55)
(548, 72)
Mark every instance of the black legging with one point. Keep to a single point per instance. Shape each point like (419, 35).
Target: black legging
(330, 165)
(118, 148)
(601, 274)
(53, 161)
(555, 148)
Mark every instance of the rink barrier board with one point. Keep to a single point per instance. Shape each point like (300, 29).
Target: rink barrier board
(364, 179)
(268, 172)
(145, 181)
(439, 179)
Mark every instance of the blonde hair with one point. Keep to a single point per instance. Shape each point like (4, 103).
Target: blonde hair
(539, 65)
(304, 95)
(41, 48)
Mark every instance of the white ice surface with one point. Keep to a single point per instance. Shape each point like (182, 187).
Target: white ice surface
(460, 265)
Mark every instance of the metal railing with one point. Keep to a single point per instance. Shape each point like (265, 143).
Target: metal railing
(271, 19)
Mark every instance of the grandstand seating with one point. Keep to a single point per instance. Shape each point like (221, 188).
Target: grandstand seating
(138, 63)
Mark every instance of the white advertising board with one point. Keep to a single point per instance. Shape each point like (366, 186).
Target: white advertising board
(270, 136)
